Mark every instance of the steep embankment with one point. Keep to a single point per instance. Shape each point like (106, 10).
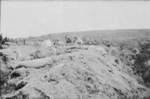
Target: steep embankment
(71, 72)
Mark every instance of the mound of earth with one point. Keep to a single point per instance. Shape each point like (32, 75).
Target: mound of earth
(71, 72)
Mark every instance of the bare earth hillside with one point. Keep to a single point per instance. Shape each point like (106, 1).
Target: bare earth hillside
(31, 71)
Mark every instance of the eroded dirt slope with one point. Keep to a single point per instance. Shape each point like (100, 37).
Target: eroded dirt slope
(71, 72)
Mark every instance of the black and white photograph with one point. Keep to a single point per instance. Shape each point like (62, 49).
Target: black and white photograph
(74, 49)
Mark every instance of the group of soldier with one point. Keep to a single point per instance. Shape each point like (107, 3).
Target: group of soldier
(75, 40)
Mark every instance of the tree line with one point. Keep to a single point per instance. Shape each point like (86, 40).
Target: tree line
(3, 40)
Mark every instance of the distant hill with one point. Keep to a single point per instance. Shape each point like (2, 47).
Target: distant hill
(116, 35)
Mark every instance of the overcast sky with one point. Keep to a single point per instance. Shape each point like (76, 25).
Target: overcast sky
(23, 19)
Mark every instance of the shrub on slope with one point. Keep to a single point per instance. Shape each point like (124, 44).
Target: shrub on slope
(140, 66)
